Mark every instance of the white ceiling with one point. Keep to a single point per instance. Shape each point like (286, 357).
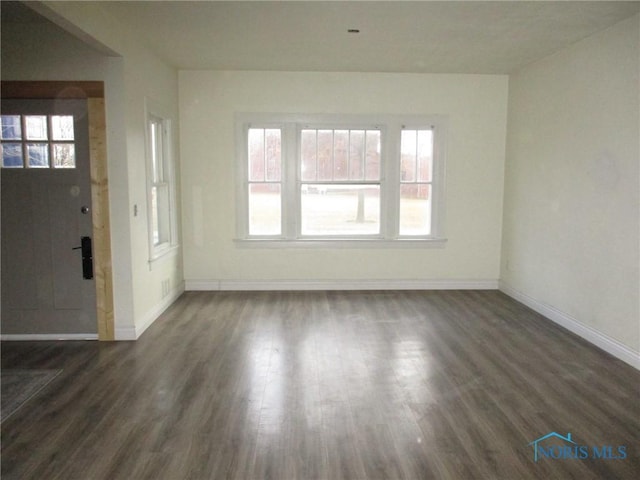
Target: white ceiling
(395, 36)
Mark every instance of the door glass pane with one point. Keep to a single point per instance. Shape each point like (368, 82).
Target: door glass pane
(340, 209)
(38, 155)
(36, 127)
(11, 155)
(265, 209)
(64, 155)
(11, 127)
(415, 209)
(62, 127)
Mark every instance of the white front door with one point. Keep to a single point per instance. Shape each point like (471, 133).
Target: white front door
(47, 286)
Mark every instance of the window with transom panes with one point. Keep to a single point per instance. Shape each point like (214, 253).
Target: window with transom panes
(317, 178)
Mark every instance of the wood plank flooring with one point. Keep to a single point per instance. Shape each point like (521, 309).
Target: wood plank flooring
(326, 385)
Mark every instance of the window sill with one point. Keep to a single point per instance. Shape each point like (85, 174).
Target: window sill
(341, 243)
(165, 253)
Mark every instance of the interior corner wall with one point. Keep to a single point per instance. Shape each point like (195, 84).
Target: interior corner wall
(476, 109)
(571, 206)
(157, 284)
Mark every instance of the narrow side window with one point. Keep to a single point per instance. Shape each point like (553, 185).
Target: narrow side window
(160, 186)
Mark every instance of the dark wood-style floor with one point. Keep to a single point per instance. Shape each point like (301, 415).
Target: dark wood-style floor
(325, 385)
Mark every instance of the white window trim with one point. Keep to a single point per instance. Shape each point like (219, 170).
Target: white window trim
(390, 127)
(168, 249)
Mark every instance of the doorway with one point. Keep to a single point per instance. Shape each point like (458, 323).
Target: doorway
(56, 255)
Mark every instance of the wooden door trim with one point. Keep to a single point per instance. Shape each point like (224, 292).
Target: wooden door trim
(100, 218)
(47, 89)
(94, 93)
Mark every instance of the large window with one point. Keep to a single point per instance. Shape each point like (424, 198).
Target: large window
(339, 182)
(316, 178)
(160, 186)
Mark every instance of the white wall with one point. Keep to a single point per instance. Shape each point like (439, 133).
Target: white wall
(49, 53)
(571, 215)
(476, 107)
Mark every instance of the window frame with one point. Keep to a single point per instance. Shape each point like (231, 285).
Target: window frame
(390, 127)
(156, 113)
(437, 176)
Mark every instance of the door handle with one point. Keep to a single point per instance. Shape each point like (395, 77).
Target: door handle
(87, 257)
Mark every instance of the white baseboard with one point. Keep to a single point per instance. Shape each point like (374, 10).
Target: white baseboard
(274, 285)
(133, 333)
(588, 333)
(124, 333)
(28, 337)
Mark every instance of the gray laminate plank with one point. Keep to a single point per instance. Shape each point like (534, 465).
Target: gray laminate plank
(324, 385)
